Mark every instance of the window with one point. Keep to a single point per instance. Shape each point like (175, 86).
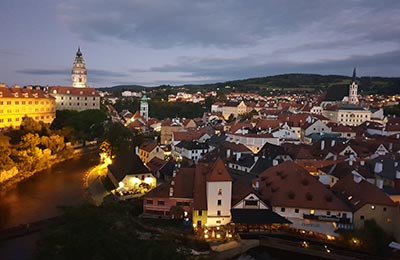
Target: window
(199, 223)
(384, 209)
(312, 212)
(361, 217)
(219, 202)
(328, 213)
(219, 191)
(218, 213)
(17, 102)
(149, 202)
(250, 202)
(200, 213)
(161, 203)
(296, 210)
(282, 209)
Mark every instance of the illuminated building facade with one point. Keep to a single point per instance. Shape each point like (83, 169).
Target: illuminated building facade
(17, 102)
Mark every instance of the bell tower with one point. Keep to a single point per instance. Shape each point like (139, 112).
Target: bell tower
(144, 107)
(353, 88)
(79, 72)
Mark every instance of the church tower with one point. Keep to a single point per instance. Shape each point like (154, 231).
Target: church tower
(353, 88)
(79, 72)
(144, 107)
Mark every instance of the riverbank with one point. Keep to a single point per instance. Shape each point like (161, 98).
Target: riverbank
(24, 175)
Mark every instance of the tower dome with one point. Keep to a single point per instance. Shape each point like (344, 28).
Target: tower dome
(79, 72)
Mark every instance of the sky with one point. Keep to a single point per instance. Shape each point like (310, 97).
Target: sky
(154, 42)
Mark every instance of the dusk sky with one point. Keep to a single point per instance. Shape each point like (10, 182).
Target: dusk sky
(153, 42)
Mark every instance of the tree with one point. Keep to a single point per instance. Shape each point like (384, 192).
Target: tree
(105, 232)
(6, 162)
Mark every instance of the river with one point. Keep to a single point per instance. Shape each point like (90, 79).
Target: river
(40, 197)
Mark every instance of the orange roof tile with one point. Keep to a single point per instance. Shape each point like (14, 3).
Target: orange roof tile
(219, 172)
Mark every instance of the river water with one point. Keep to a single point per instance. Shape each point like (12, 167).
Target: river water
(40, 197)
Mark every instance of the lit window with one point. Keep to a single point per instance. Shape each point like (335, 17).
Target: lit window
(312, 212)
(219, 191)
(373, 207)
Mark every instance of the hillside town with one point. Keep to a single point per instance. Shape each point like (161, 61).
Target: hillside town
(306, 164)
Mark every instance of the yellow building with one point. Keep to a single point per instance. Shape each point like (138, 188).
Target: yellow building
(17, 102)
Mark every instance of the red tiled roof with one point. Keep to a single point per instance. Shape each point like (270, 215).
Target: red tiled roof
(6, 92)
(148, 147)
(187, 136)
(361, 193)
(74, 91)
(199, 194)
(290, 185)
(219, 172)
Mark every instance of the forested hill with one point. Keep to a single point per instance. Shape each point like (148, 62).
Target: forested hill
(289, 82)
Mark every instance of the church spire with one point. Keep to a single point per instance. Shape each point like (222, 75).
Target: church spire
(354, 74)
(79, 72)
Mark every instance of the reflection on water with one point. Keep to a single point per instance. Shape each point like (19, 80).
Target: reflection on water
(40, 196)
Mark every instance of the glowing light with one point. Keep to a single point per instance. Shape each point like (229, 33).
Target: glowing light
(205, 230)
(121, 184)
(205, 236)
(218, 236)
(329, 237)
(148, 180)
(194, 225)
(135, 180)
(185, 213)
(312, 212)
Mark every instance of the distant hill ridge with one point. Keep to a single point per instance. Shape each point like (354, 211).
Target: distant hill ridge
(293, 82)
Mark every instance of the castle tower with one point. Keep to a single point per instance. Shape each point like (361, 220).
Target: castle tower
(353, 88)
(79, 72)
(144, 107)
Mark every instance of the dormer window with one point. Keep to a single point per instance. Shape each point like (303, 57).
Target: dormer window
(55, 91)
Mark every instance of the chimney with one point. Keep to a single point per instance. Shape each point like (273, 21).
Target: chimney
(357, 178)
(137, 150)
(322, 145)
(228, 153)
(238, 155)
(379, 183)
(333, 143)
(275, 162)
(378, 167)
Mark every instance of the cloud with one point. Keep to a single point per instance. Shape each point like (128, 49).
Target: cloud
(221, 69)
(227, 24)
(106, 73)
(10, 52)
(44, 72)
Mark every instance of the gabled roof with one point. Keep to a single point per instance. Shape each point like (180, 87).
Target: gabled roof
(359, 194)
(182, 185)
(127, 163)
(148, 146)
(290, 185)
(219, 172)
(192, 145)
